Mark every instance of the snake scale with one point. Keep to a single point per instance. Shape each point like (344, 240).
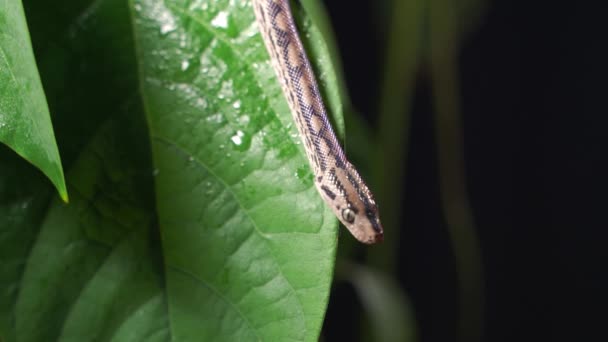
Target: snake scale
(337, 181)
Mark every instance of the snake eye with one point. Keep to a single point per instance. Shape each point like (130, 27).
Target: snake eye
(348, 215)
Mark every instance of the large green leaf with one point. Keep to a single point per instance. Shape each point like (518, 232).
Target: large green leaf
(247, 240)
(388, 309)
(22, 207)
(91, 273)
(201, 224)
(25, 123)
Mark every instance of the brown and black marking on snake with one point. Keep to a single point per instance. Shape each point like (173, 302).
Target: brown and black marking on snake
(366, 197)
(299, 80)
(363, 201)
(328, 192)
(336, 179)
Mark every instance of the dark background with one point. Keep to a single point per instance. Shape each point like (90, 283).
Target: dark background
(533, 84)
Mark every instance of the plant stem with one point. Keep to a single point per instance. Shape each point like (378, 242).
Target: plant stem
(456, 207)
(402, 60)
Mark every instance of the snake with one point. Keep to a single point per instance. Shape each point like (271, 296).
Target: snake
(336, 179)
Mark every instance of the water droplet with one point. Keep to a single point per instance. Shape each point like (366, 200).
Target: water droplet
(185, 65)
(227, 91)
(220, 20)
(236, 104)
(166, 22)
(237, 139)
(241, 141)
(183, 41)
(167, 27)
(215, 118)
(200, 102)
(191, 159)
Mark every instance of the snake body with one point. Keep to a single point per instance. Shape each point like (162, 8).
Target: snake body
(337, 181)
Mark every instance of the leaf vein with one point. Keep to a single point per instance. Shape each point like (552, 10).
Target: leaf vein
(250, 218)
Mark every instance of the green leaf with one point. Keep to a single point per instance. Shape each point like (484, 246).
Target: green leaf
(247, 239)
(388, 308)
(399, 69)
(457, 211)
(193, 214)
(22, 207)
(93, 271)
(25, 123)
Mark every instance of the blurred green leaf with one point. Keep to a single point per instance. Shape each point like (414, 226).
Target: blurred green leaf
(402, 62)
(387, 307)
(24, 196)
(218, 235)
(25, 123)
(443, 62)
(470, 14)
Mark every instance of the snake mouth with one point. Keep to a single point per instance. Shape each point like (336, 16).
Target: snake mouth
(378, 237)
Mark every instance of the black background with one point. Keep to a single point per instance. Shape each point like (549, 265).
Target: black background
(533, 83)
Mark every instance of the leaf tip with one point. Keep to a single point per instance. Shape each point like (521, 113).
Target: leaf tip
(63, 193)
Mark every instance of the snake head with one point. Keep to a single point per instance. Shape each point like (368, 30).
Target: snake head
(352, 202)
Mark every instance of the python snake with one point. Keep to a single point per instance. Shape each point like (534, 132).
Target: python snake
(337, 181)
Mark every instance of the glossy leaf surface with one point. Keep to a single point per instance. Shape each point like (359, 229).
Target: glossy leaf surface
(25, 123)
(193, 215)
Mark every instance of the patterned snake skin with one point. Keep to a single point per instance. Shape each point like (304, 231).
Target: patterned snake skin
(336, 179)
